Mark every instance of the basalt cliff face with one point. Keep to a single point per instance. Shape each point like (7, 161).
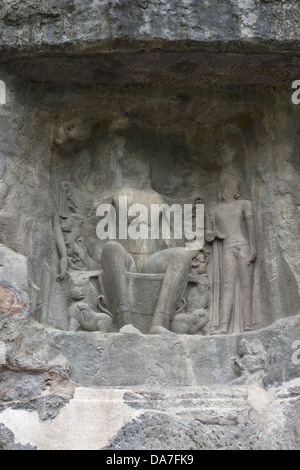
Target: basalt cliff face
(143, 343)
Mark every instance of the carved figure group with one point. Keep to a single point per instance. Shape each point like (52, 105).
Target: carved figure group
(153, 286)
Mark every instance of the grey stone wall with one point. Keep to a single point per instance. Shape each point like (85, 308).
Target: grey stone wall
(176, 133)
(29, 25)
(161, 84)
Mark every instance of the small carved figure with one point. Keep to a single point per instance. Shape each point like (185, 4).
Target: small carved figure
(199, 264)
(192, 315)
(72, 135)
(189, 323)
(81, 317)
(69, 229)
(251, 364)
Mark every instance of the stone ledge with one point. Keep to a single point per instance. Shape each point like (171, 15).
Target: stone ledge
(35, 23)
(169, 361)
(158, 63)
(175, 361)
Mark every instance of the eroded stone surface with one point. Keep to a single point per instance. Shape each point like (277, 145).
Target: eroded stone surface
(13, 283)
(172, 95)
(246, 418)
(7, 441)
(114, 360)
(2, 353)
(251, 36)
(90, 21)
(100, 413)
(9, 304)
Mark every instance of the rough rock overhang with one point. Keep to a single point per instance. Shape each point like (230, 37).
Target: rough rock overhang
(149, 42)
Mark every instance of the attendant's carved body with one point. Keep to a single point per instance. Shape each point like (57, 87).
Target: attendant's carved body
(69, 228)
(68, 225)
(232, 221)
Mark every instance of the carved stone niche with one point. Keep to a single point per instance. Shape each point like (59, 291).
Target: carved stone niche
(109, 287)
(144, 286)
(151, 286)
(128, 286)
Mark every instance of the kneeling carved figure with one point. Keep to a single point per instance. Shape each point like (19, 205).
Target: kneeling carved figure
(189, 323)
(81, 317)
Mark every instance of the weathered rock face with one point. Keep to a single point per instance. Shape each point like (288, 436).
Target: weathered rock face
(176, 102)
(173, 140)
(89, 21)
(145, 42)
